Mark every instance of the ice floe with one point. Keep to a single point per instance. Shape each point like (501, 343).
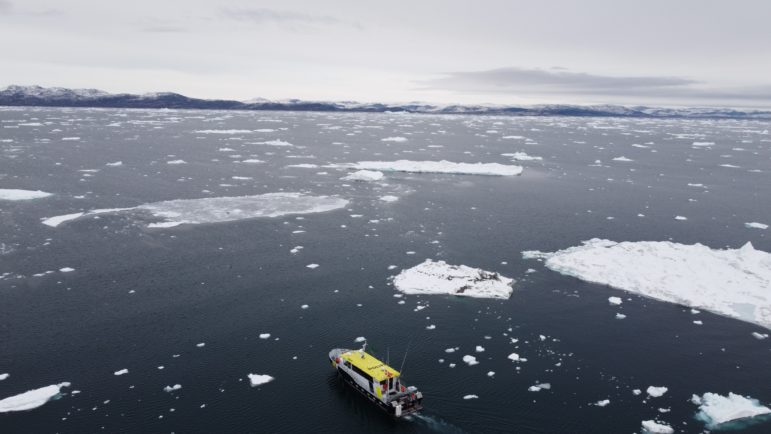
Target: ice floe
(31, 398)
(522, 156)
(539, 387)
(121, 372)
(389, 198)
(653, 427)
(364, 175)
(397, 139)
(438, 277)
(470, 397)
(756, 225)
(656, 391)
(57, 220)
(470, 360)
(174, 388)
(717, 409)
(732, 282)
(4, 376)
(258, 379)
(443, 167)
(615, 300)
(221, 209)
(16, 194)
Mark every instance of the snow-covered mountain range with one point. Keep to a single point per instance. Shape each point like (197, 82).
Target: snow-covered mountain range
(63, 97)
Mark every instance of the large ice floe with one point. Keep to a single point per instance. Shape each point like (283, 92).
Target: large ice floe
(31, 398)
(221, 209)
(732, 282)
(716, 409)
(654, 427)
(364, 175)
(439, 277)
(444, 166)
(16, 194)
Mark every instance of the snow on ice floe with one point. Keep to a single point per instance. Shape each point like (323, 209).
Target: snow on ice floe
(364, 175)
(16, 194)
(443, 167)
(32, 398)
(438, 277)
(221, 209)
(756, 225)
(732, 282)
(258, 379)
(653, 427)
(716, 409)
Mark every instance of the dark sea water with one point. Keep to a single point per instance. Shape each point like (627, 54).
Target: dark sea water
(141, 298)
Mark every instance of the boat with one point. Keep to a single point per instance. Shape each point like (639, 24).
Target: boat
(376, 380)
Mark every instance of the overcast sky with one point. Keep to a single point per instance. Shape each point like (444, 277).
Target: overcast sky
(674, 52)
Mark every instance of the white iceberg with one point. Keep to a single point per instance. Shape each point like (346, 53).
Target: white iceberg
(16, 194)
(653, 427)
(444, 167)
(716, 409)
(732, 282)
(221, 209)
(364, 175)
(258, 379)
(31, 398)
(438, 277)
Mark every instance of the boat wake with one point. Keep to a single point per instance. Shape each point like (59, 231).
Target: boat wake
(434, 423)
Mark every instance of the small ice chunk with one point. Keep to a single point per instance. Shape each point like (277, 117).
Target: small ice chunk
(622, 158)
(115, 164)
(200, 344)
(480, 349)
(539, 387)
(312, 266)
(66, 269)
(470, 397)
(636, 392)
(620, 316)
(656, 391)
(756, 225)
(514, 357)
(760, 336)
(397, 139)
(122, 372)
(615, 300)
(470, 360)
(4, 376)
(681, 218)
(491, 374)
(174, 162)
(258, 379)
(602, 403)
(264, 335)
(173, 388)
(360, 339)
(389, 198)
(16, 194)
(305, 306)
(653, 427)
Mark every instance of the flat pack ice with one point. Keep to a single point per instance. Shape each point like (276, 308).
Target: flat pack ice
(443, 166)
(716, 409)
(731, 282)
(439, 277)
(16, 194)
(364, 175)
(222, 209)
(31, 398)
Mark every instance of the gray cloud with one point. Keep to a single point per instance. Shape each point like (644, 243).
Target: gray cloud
(556, 80)
(268, 16)
(559, 81)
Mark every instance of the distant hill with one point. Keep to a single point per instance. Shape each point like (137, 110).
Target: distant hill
(62, 97)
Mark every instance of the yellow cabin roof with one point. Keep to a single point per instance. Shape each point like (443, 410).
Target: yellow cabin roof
(369, 364)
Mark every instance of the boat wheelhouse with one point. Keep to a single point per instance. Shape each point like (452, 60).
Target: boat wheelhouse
(377, 381)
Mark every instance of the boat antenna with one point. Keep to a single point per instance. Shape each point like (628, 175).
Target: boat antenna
(405, 356)
(363, 348)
